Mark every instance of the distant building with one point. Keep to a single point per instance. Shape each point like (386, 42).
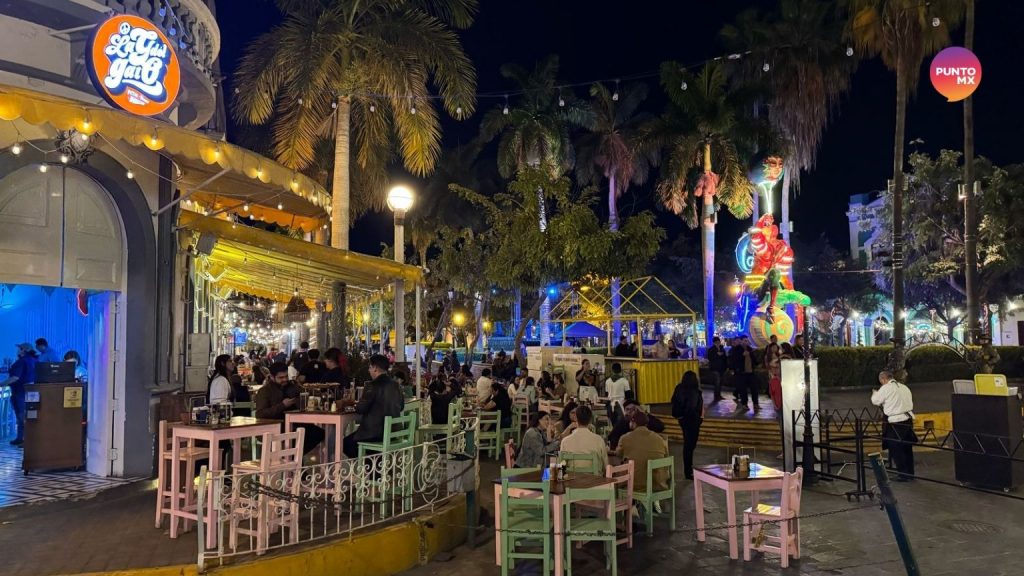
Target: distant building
(864, 217)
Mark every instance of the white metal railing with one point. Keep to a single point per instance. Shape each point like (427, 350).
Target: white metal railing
(259, 511)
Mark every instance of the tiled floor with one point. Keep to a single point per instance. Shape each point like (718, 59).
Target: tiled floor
(17, 488)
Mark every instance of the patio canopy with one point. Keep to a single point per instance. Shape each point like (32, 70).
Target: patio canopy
(584, 330)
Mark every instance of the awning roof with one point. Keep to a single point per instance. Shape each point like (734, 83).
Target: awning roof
(249, 178)
(584, 330)
(272, 265)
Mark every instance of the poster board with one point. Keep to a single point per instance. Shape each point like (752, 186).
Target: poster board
(793, 400)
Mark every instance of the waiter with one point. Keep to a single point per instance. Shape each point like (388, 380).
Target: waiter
(22, 372)
(898, 433)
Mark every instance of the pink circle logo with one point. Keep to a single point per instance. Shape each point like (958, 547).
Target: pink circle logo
(955, 73)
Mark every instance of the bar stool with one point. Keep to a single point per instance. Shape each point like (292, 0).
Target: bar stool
(190, 454)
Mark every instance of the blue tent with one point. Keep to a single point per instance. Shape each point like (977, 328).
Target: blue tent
(584, 330)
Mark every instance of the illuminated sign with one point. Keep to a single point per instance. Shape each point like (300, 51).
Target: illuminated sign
(133, 66)
(744, 254)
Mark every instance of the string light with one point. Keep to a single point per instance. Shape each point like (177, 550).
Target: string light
(16, 149)
(84, 136)
(64, 158)
(245, 206)
(373, 108)
(615, 95)
(683, 85)
(334, 105)
(280, 206)
(766, 67)
(561, 101)
(936, 22)
(300, 101)
(129, 175)
(458, 111)
(43, 168)
(505, 110)
(849, 50)
(412, 110)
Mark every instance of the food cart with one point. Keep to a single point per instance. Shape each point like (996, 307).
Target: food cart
(642, 302)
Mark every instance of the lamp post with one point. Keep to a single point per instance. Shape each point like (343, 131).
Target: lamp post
(459, 320)
(807, 459)
(400, 200)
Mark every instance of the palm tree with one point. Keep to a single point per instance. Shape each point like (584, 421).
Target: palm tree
(701, 132)
(534, 131)
(970, 202)
(903, 33)
(613, 143)
(362, 70)
(808, 71)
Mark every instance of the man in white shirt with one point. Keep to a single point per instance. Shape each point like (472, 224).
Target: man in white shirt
(583, 441)
(615, 388)
(898, 433)
(483, 387)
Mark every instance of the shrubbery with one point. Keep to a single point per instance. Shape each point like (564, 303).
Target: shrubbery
(859, 366)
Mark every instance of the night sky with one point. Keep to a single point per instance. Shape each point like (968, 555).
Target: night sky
(602, 40)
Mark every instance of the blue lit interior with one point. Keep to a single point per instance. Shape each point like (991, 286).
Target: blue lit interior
(30, 312)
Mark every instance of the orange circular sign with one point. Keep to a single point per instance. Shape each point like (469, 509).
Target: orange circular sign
(133, 65)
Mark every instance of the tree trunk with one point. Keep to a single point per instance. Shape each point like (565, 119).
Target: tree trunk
(522, 330)
(970, 201)
(613, 225)
(708, 241)
(898, 321)
(428, 354)
(785, 209)
(517, 310)
(341, 185)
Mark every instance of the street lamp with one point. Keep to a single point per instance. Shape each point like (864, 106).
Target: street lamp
(459, 320)
(400, 200)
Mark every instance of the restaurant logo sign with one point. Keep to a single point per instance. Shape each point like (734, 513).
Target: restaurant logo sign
(133, 66)
(955, 73)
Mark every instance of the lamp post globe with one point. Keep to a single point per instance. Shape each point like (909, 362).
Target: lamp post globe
(400, 199)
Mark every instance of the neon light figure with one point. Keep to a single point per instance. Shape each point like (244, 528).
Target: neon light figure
(770, 251)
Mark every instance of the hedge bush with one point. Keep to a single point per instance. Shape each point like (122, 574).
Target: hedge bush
(859, 366)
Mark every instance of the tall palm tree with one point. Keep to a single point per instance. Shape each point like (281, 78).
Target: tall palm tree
(808, 71)
(362, 72)
(534, 130)
(701, 132)
(903, 33)
(613, 143)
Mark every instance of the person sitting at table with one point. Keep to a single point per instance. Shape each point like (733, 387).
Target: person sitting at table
(538, 442)
(501, 402)
(582, 373)
(616, 388)
(334, 372)
(313, 369)
(564, 426)
(642, 445)
(483, 387)
(441, 396)
(218, 389)
(583, 440)
(546, 386)
(528, 391)
(381, 398)
(625, 424)
(278, 396)
(81, 374)
(408, 390)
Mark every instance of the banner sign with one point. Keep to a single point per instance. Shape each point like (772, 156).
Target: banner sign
(133, 65)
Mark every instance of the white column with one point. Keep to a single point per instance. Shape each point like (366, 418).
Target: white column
(399, 288)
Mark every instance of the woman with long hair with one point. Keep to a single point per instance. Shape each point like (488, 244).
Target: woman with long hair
(538, 441)
(219, 388)
(688, 409)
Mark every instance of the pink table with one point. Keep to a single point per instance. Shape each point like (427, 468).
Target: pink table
(721, 476)
(239, 427)
(576, 480)
(337, 420)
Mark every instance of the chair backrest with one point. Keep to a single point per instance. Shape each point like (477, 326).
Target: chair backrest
(411, 406)
(454, 415)
(792, 490)
(492, 419)
(623, 476)
(587, 393)
(581, 462)
(653, 466)
(507, 472)
(165, 437)
(594, 497)
(400, 431)
(510, 453)
(521, 401)
(282, 451)
(545, 405)
(523, 497)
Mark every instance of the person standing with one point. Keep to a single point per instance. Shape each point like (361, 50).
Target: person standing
(381, 398)
(750, 380)
(623, 349)
(615, 388)
(898, 434)
(798, 347)
(717, 362)
(736, 364)
(334, 373)
(45, 353)
(313, 370)
(688, 409)
(22, 373)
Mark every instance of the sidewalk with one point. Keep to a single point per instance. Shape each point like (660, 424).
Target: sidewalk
(953, 532)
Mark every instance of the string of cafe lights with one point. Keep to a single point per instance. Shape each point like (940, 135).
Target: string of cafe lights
(504, 95)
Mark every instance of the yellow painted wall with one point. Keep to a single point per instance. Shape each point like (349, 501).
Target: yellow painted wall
(656, 379)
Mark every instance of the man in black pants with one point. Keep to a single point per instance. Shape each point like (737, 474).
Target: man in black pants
(739, 380)
(717, 362)
(898, 434)
(750, 380)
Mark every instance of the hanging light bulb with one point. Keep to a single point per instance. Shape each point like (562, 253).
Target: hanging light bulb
(245, 206)
(412, 110)
(766, 67)
(505, 110)
(16, 149)
(300, 101)
(458, 111)
(849, 50)
(683, 85)
(64, 158)
(334, 104)
(561, 102)
(936, 22)
(83, 136)
(373, 108)
(129, 175)
(615, 95)
(280, 206)
(43, 168)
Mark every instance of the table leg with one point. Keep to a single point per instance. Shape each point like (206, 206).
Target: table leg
(175, 482)
(339, 440)
(730, 506)
(497, 524)
(755, 499)
(236, 450)
(698, 502)
(211, 521)
(556, 502)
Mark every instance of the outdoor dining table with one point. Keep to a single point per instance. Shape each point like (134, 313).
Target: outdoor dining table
(575, 480)
(337, 420)
(234, 430)
(722, 476)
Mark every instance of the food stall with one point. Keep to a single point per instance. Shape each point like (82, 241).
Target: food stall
(643, 303)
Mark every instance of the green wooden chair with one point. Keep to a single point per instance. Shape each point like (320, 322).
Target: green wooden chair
(525, 518)
(488, 434)
(429, 432)
(506, 472)
(591, 529)
(649, 496)
(399, 433)
(588, 463)
(520, 420)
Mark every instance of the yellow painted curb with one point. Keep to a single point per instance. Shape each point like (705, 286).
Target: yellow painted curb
(380, 552)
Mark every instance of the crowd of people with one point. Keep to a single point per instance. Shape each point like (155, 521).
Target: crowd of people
(736, 364)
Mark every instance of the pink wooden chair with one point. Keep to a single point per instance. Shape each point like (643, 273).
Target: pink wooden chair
(190, 454)
(510, 454)
(623, 476)
(279, 467)
(787, 542)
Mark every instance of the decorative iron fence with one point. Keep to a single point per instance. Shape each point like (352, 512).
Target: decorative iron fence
(255, 511)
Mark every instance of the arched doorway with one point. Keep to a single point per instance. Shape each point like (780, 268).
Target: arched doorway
(60, 230)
